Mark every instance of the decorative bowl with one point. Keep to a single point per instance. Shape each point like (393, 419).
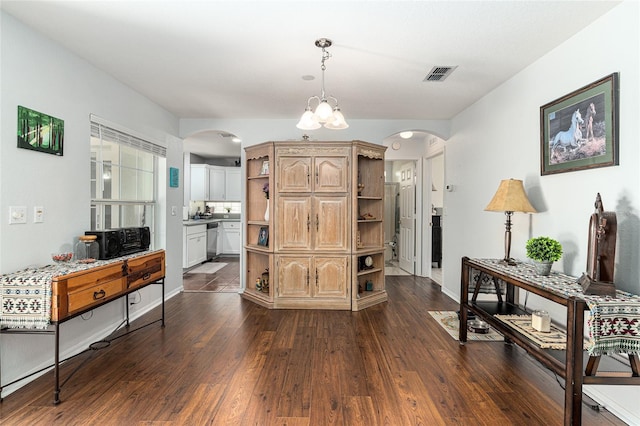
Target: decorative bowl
(61, 257)
(478, 326)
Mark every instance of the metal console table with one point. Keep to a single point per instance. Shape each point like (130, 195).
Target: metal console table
(74, 294)
(569, 363)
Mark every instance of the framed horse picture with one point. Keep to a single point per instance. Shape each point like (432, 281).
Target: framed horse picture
(580, 130)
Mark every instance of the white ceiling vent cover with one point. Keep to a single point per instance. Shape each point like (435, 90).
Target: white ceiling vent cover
(439, 73)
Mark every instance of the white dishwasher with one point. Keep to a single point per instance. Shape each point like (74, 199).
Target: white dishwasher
(212, 240)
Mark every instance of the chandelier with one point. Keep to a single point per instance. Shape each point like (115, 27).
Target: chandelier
(324, 114)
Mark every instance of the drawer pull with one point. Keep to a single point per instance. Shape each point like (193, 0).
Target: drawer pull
(99, 294)
(146, 276)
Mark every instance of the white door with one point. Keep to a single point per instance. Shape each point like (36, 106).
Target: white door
(407, 218)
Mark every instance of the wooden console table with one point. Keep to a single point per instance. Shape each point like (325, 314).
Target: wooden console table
(74, 289)
(569, 363)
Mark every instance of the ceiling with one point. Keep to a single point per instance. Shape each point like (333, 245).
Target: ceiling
(247, 59)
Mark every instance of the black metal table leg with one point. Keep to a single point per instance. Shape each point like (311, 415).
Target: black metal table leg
(56, 367)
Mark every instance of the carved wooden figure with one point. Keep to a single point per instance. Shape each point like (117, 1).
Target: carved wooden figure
(603, 228)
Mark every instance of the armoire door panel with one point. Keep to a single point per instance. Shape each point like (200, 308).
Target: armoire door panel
(332, 277)
(294, 278)
(294, 174)
(331, 174)
(331, 223)
(294, 223)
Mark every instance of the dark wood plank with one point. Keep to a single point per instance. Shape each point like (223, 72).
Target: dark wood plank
(224, 360)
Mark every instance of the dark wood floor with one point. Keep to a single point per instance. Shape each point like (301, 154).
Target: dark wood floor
(226, 280)
(223, 360)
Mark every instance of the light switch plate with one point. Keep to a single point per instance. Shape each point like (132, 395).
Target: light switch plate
(17, 214)
(38, 214)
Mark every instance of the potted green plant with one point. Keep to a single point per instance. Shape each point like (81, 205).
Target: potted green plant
(543, 251)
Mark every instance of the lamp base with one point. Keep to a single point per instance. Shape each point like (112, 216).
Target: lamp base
(509, 262)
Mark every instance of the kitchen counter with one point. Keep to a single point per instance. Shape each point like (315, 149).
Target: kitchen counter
(192, 222)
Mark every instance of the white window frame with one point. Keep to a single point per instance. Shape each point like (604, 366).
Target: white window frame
(116, 134)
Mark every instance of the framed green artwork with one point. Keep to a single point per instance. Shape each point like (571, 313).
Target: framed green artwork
(40, 132)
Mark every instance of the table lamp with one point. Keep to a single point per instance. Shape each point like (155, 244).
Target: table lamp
(509, 198)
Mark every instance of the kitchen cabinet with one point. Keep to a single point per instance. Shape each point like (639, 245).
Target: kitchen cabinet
(231, 238)
(199, 182)
(195, 245)
(215, 183)
(233, 184)
(224, 183)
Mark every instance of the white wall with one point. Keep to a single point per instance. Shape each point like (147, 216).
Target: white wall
(254, 131)
(40, 75)
(498, 138)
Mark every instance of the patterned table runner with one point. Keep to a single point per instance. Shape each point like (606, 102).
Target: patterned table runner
(614, 322)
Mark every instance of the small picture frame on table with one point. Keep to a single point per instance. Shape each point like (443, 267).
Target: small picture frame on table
(263, 236)
(265, 168)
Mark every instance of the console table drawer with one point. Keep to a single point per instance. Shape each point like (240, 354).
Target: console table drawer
(94, 295)
(144, 269)
(80, 281)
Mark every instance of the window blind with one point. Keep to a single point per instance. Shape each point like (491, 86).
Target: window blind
(110, 134)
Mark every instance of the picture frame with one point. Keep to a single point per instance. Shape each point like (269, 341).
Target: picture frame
(580, 130)
(174, 177)
(263, 236)
(40, 132)
(265, 168)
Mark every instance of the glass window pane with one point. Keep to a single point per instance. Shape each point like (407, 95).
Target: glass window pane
(93, 177)
(128, 157)
(110, 181)
(145, 186)
(145, 161)
(110, 152)
(128, 184)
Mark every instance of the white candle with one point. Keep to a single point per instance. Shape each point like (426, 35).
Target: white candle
(541, 321)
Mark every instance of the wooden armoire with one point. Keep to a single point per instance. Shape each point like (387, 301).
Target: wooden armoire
(314, 225)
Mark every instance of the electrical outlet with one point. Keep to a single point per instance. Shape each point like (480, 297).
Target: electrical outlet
(38, 214)
(17, 214)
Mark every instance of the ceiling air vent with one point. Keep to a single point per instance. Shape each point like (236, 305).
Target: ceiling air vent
(439, 73)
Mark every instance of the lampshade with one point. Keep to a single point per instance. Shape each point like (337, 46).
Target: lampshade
(308, 121)
(337, 121)
(324, 111)
(510, 197)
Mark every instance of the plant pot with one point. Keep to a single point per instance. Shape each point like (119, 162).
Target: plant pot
(543, 268)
